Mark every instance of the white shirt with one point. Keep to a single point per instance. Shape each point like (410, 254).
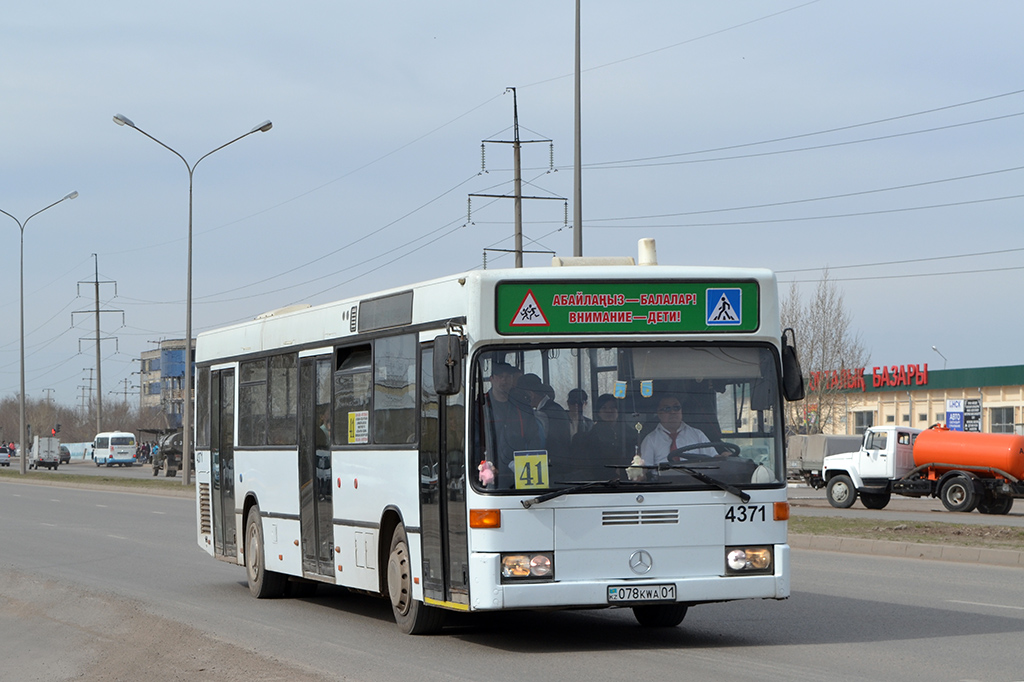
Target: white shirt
(655, 447)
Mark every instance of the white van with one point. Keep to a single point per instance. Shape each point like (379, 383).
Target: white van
(114, 447)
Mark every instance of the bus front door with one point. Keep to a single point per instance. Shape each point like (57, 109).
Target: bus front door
(443, 515)
(222, 461)
(316, 509)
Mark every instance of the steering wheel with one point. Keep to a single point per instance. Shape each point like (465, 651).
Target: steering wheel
(676, 455)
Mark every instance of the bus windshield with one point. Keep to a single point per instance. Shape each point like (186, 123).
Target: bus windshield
(657, 416)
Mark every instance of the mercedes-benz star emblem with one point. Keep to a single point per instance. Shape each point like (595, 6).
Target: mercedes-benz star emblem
(640, 562)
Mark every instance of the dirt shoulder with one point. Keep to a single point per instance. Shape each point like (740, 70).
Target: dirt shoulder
(924, 532)
(55, 631)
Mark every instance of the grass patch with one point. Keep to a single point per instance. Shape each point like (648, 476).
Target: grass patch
(925, 532)
(79, 481)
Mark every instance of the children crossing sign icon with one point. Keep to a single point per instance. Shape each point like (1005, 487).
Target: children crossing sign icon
(724, 307)
(529, 313)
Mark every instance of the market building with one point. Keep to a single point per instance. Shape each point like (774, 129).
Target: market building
(985, 399)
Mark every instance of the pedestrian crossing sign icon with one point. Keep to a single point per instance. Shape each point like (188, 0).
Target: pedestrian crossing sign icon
(529, 313)
(724, 307)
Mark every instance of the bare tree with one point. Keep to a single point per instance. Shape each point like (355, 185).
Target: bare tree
(831, 354)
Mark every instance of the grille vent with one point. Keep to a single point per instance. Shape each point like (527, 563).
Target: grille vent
(639, 517)
(205, 525)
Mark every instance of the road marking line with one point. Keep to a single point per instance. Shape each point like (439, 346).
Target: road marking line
(978, 603)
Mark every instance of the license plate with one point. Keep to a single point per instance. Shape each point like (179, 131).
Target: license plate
(641, 593)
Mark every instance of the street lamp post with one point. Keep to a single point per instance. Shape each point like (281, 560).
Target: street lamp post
(186, 417)
(22, 436)
(941, 356)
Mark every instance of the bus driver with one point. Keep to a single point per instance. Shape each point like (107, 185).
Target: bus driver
(672, 433)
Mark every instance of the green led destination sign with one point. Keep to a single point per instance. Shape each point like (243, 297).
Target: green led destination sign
(626, 307)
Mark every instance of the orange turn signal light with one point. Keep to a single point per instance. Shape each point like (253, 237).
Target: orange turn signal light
(781, 511)
(485, 518)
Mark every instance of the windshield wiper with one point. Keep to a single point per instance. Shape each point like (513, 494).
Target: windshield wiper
(611, 483)
(701, 476)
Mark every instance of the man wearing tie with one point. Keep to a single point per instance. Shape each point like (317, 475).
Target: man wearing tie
(672, 433)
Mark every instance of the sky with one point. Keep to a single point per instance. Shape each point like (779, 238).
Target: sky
(881, 141)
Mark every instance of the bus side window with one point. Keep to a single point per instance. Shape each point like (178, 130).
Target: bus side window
(353, 387)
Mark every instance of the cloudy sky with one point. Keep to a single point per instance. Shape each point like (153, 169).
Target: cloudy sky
(880, 140)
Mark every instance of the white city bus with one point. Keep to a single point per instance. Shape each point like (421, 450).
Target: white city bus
(401, 444)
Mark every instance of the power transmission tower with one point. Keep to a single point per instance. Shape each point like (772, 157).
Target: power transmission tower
(96, 311)
(517, 180)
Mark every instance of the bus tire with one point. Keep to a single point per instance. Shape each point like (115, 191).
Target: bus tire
(958, 494)
(413, 617)
(840, 492)
(263, 584)
(660, 615)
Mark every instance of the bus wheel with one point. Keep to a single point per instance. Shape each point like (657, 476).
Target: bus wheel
(958, 494)
(840, 492)
(660, 615)
(413, 617)
(263, 584)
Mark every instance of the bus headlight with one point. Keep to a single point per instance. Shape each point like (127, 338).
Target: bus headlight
(747, 560)
(527, 566)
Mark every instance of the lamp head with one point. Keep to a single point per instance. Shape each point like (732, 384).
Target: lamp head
(263, 127)
(71, 196)
(122, 120)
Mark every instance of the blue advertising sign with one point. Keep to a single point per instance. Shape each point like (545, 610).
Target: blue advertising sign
(955, 415)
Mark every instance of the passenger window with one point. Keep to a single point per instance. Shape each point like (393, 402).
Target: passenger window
(353, 389)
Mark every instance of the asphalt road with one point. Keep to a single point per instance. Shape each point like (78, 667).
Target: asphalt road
(807, 501)
(111, 585)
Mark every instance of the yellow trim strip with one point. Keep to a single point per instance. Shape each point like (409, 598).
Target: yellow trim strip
(446, 604)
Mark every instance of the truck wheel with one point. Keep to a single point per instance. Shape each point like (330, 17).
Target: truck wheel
(660, 615)
(958, 494)
(995, 505)
(413, 617)
(840, 492)
(875, 500)
(263, 584)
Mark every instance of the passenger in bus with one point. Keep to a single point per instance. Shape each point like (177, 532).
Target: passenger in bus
(600, 453)
(672, 433)
(323, 432)
(511, 425)
(554, 421)
(578, 422)
(558, 438)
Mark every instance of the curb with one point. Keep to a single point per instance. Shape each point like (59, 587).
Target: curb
(909, 550)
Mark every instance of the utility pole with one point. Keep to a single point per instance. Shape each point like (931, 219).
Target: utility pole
(577, 185)
(126, 384)
(96, 311)
(517, 178)
(83, 398)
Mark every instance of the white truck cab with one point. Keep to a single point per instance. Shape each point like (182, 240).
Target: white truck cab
(885, 454)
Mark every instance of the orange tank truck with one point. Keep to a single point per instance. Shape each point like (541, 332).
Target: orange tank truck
(965, 470)
(945, 450)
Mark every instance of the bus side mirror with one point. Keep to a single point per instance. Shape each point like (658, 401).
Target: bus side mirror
(792, 375)
(447, 364)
